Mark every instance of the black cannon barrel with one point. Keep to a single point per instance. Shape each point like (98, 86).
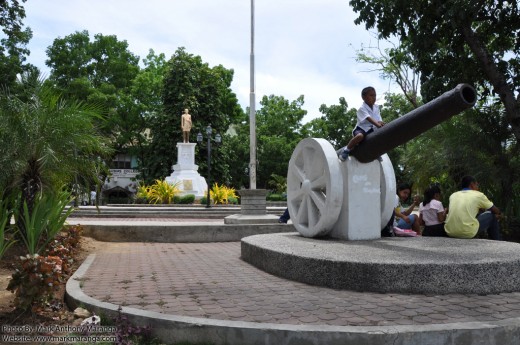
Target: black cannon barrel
(416, 122)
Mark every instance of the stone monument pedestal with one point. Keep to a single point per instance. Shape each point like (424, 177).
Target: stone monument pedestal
(185, 174)
(253, 209)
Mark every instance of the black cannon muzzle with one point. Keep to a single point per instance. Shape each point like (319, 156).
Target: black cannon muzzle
(416, 122)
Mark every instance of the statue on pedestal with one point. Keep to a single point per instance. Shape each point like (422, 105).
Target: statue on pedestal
(186, 126)
(184, 173)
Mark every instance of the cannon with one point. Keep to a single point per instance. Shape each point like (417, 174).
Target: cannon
(353, 200)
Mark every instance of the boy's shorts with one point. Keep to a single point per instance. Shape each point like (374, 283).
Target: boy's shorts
(358, 130)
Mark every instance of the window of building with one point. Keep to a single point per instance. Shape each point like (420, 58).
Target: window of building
(122, 161)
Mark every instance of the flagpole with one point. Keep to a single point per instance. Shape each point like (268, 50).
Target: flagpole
(252, 112)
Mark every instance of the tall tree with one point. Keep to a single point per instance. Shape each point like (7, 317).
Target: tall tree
(235, 154)
(473, 41)
(191, 84)
(13, 45)
(335, 125)
(279, 129)
(141, 105)
(100, 71)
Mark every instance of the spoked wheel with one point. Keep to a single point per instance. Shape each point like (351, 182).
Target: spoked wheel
(314, 187)
(388, 190)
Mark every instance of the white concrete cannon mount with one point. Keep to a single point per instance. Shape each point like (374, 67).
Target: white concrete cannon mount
(350, 202)
(344, 200)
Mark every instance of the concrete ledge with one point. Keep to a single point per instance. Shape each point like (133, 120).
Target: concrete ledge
(168, 211)
(180, 232)
(172, 329)
(251, 219)
(424, 265)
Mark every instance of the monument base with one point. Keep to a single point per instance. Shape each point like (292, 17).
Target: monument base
(185, 175)
(189, 182)
(253, 206)
(423, 265)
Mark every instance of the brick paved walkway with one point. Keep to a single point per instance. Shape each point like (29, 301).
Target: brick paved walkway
(209, 280)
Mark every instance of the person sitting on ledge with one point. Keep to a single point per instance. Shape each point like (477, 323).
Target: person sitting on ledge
(284, 218)
(431, 213)
(472, 213)
(405, 219)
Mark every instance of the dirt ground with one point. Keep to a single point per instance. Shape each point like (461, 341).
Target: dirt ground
(63, 316)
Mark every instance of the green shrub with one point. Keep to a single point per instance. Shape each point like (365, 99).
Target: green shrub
(279, 183)
(161, 192)
(233, 200)
(221, 194)
(186, 199)
(143, 194)
(37, 278)
(276, 197)
(140, 201)
(45, 220)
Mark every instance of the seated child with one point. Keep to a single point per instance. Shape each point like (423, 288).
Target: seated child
(368, 117)
(432, 214)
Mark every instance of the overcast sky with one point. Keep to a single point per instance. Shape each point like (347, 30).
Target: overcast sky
(302, 47)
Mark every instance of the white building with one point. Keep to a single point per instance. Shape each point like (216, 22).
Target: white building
(121, 185)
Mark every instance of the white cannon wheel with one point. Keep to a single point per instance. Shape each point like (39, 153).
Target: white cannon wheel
(388, 190)
(314, 187)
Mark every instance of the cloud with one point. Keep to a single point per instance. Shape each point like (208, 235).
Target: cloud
(301, 47)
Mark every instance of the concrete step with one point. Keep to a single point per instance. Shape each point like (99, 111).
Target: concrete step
(164, 211)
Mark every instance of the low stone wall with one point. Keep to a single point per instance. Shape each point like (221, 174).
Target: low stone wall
(179, 232)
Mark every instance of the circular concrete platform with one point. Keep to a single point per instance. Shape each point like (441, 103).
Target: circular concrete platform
(426, 265)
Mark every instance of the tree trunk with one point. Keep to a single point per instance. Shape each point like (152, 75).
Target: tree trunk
(31, 185)
(497, 79)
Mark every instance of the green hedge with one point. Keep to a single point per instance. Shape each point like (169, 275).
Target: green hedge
(186, 199)
(276, 197)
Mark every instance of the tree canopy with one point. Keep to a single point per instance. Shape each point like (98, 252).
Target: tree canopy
(279, 127)
(472, 41)
(140, 105)
(13, 45)
(100, 71)
(447, 152)
(335, 125)
(101, 62)
(190, 83)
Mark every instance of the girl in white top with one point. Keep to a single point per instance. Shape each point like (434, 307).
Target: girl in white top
(432, 214)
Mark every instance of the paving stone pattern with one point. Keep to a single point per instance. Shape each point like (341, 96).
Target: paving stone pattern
(209, 280)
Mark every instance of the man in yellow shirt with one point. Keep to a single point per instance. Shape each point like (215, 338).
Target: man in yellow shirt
(464, 219)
